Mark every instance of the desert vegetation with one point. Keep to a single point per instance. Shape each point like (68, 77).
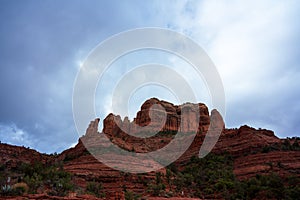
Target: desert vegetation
(212, 177)
(36, 177)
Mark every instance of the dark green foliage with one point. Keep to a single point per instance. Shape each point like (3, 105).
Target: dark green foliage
(158, 178)
(95, 188)
(213, 176)
(206, 176)
(296, 145)
(30, 169)
(129, 195)
(38, 176)
(266, 149)
(33, 181)
(167, 133)
(173, 168)
(168, 175)
(70, 157)
(143, 179)
(269, 186)
(9, 191)
(285, 146)
(158, 187)
(59, 181)
(18, 191)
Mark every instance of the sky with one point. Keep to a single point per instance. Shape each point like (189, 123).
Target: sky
(255, 46)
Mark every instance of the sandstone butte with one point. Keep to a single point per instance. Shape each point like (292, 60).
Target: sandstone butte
(245, 144)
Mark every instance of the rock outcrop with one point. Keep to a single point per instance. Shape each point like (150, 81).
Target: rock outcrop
(242, 143)
(178, 118)
(12, 156)
(154, 127)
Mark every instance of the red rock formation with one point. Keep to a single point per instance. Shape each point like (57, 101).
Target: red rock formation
(188, 112)
(249, 147)
(12, 156)
(240, 143)
(284, 163)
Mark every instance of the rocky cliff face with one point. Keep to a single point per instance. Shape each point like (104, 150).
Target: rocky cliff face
(242, 143)
(12, 156)
(254, 151)
(178, 118)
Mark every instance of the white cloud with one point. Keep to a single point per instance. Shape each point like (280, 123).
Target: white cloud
(251, 43)
(11, 134)
(242, 37)
(253, 46)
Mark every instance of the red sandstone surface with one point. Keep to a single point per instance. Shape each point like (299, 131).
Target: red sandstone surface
(248, 146)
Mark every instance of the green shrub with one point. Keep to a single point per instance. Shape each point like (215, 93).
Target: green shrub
(156, 189)
(95, 188)
(38, 175)
(212, 174)
(129, 195)
(265, 149)
(33, 182)
(15, 190)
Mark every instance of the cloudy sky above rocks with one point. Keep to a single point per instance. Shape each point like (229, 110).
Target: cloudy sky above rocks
(254, 45)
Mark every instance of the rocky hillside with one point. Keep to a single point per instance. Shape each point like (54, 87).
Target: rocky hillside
(241, 159)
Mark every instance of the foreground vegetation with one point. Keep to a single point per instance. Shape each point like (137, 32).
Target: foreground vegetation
(209, 177)
(36, 177)
(212, 177)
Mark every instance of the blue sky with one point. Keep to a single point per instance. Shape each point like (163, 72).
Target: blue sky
(254, 44)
